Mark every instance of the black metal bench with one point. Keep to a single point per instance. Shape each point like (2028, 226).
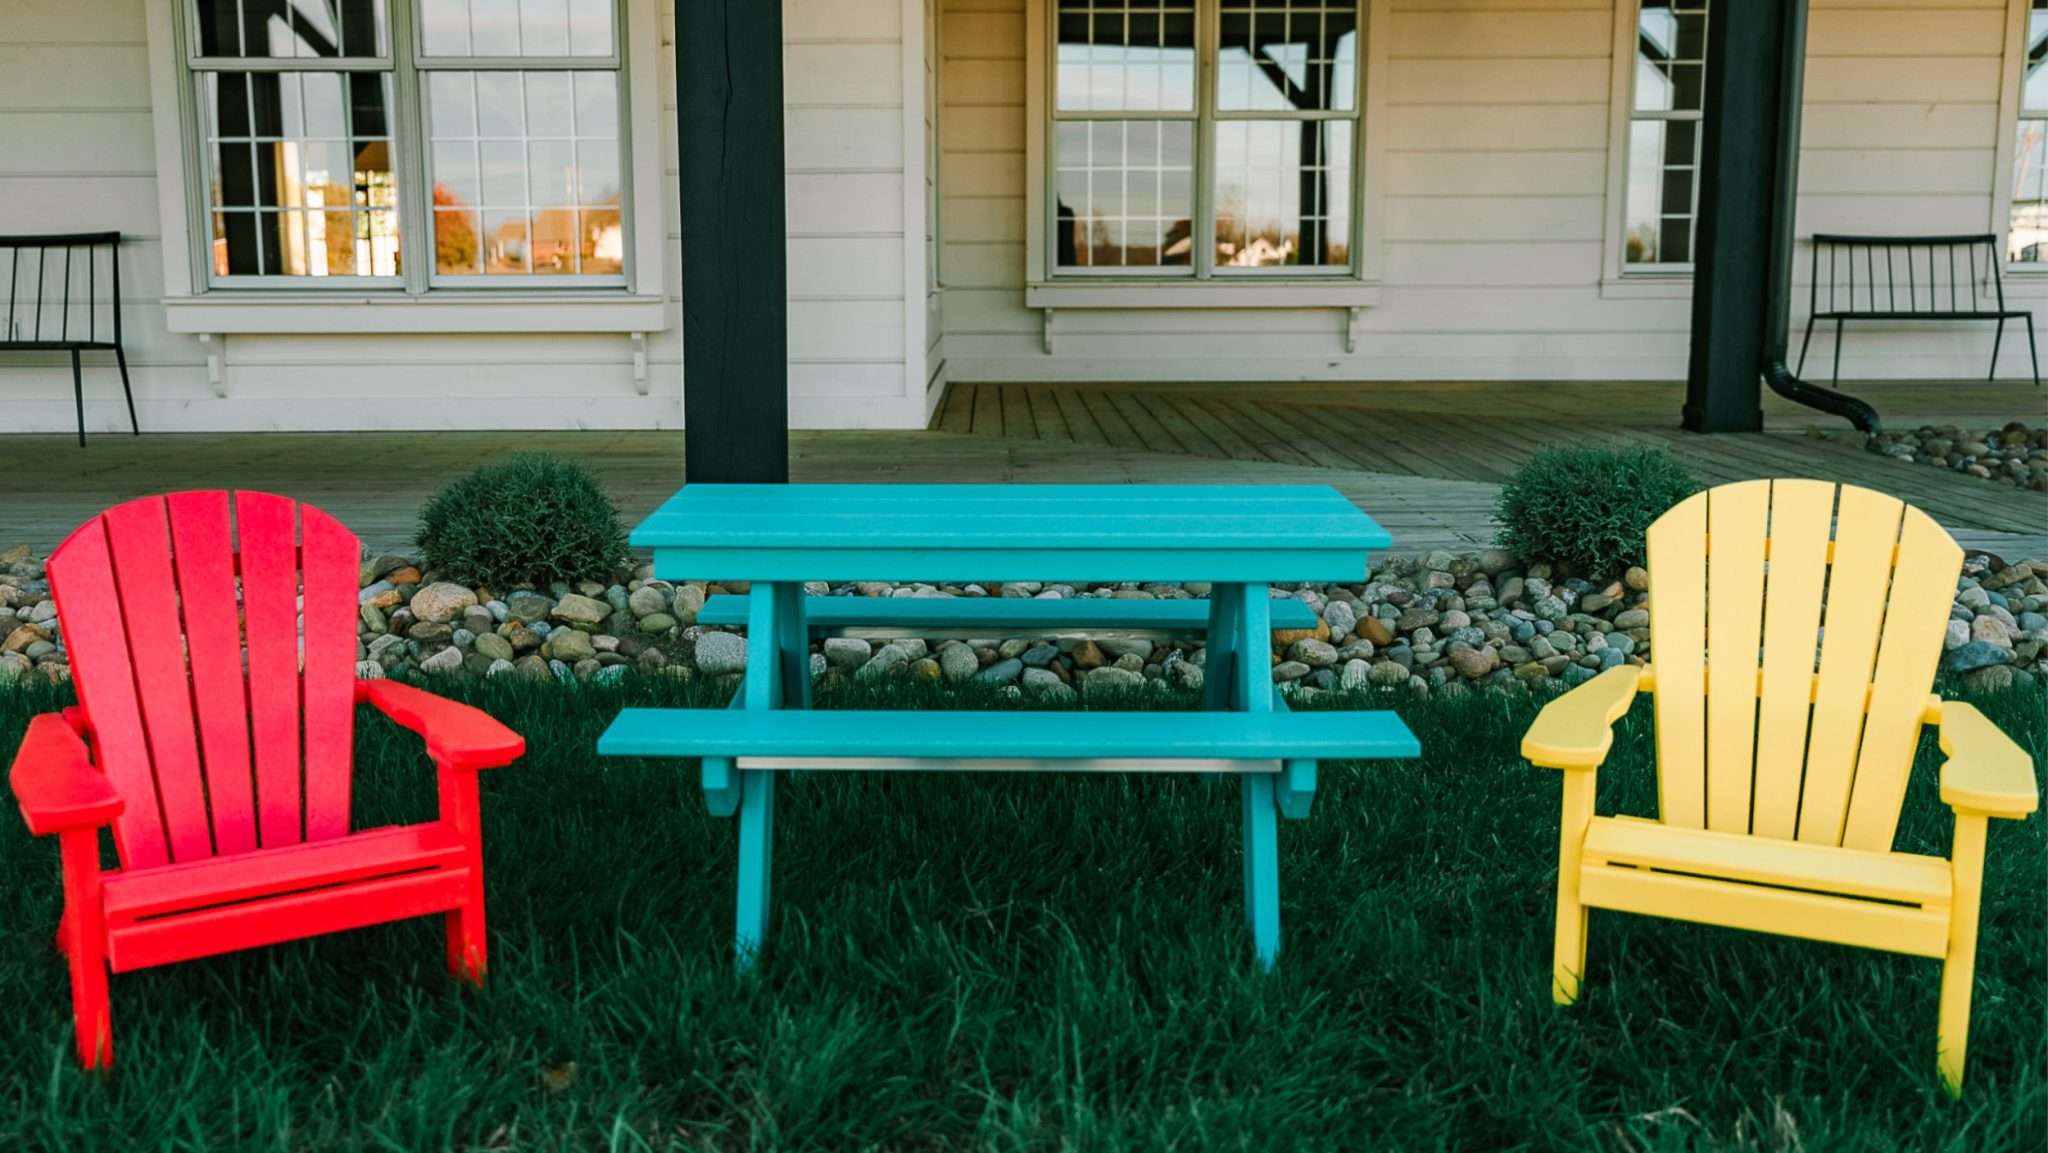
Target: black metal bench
(54, 303)
(1910, 278)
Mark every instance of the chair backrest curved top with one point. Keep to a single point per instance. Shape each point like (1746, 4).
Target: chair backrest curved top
(212, 645)
(1794, 629)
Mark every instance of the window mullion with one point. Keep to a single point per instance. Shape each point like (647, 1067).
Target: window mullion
(415, 220)
(1203, 233)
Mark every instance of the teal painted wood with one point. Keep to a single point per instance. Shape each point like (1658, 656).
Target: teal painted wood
(1165, 736)
(763, 693)
(719, 776)
(1080, 613)
(989, 532)
(1261, 866)
(1296, 789)
(891, 560)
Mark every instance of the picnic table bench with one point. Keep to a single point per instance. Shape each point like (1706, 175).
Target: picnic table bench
(1240, 539)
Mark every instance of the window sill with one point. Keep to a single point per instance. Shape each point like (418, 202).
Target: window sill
(1335, 292)
(2026, 282)
(1647, 286)
(230, 312)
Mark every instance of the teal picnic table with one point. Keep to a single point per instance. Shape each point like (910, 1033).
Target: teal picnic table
(1241, 540)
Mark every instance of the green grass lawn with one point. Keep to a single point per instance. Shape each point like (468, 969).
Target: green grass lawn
(1054, 963)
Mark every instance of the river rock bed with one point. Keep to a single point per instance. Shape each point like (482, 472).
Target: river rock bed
(2016, 454)
(1436, 624)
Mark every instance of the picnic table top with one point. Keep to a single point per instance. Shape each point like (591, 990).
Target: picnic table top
(1267, 533)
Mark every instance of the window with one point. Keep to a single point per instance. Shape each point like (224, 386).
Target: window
(409, 143)
(1162, 167)
(2027, 231)
(1661, 198)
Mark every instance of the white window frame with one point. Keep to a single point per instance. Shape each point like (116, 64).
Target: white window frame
(2031, 277)
(1619, 278)
(635, 302)
(1197, 285)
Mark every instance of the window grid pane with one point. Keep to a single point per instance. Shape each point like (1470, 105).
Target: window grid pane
(2027, 225)
(299, 177)
(525, 169)
(292, 29)
(1123, 193)
(516, 28)
(1660, 203)
(1126, 56)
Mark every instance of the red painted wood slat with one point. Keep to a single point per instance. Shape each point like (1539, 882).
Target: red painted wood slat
(82, 580)
(378, 852)
(204, 553)
(267, 539)
(139, 539)
(310, 914)
(331, 559)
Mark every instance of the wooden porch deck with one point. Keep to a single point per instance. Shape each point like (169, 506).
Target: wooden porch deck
(1423, 458)
(1482, 431)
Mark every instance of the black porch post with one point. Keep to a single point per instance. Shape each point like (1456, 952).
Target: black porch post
(735, 315)
(1749, 157)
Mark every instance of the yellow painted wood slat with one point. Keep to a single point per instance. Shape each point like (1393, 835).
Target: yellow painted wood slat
(1678, 637)
(1916, 618)
(1801, 516)
(1866, 529)
(1736, 516)
(1907, 877)
(1921, 932)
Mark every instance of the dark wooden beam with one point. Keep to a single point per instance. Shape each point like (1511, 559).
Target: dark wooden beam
(735, 315)
(1740, 155)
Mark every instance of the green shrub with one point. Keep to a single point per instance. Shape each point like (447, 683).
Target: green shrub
(534, 518)
(1588, 507)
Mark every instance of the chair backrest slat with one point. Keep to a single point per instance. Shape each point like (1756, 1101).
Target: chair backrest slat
(140, 540)
(331, 561)
(1736, 518)
(267, 542)
(81, 574)
(1916, 620)
(1801, 514)
(1866, 537)
(1678, 638)
(1754, 736)
(184, 616)
(29, 291)
(202, 544)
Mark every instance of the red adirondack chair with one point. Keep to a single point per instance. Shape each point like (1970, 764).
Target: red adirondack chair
(219, 749)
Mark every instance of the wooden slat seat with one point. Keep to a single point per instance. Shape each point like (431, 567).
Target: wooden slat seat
(1906, 878)
(816, 738)
(1000, 616)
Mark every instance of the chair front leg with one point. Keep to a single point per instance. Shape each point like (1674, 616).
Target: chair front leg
(468, 946)
(85, 947)
(1959, 967)
(1568, 956)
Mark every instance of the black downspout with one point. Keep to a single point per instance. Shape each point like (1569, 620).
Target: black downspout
(1785, 197)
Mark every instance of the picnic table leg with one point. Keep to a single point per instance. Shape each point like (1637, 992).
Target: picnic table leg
(777, 647)
(1251, 690)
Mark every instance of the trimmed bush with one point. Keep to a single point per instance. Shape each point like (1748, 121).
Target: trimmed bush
(1588, 507)
(532, 519)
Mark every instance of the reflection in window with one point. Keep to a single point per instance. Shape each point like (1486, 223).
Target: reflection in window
(1125, 189)
(1130, 119)
(1123, 138)
(524, 28)
(298, 163)
(2027, 235)
(1660, 204)
(526, 172)
(1283, 180)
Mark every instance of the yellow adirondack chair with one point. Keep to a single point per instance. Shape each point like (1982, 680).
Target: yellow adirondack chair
(1779, 780)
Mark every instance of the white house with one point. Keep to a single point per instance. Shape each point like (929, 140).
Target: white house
(348, 214)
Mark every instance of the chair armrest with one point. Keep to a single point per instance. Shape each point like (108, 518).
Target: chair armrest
(1576, 730)
(457, 736)
(55, 783)
(1986, 771)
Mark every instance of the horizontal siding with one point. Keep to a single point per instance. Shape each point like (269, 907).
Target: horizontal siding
(1493, 195)
(75, 111)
